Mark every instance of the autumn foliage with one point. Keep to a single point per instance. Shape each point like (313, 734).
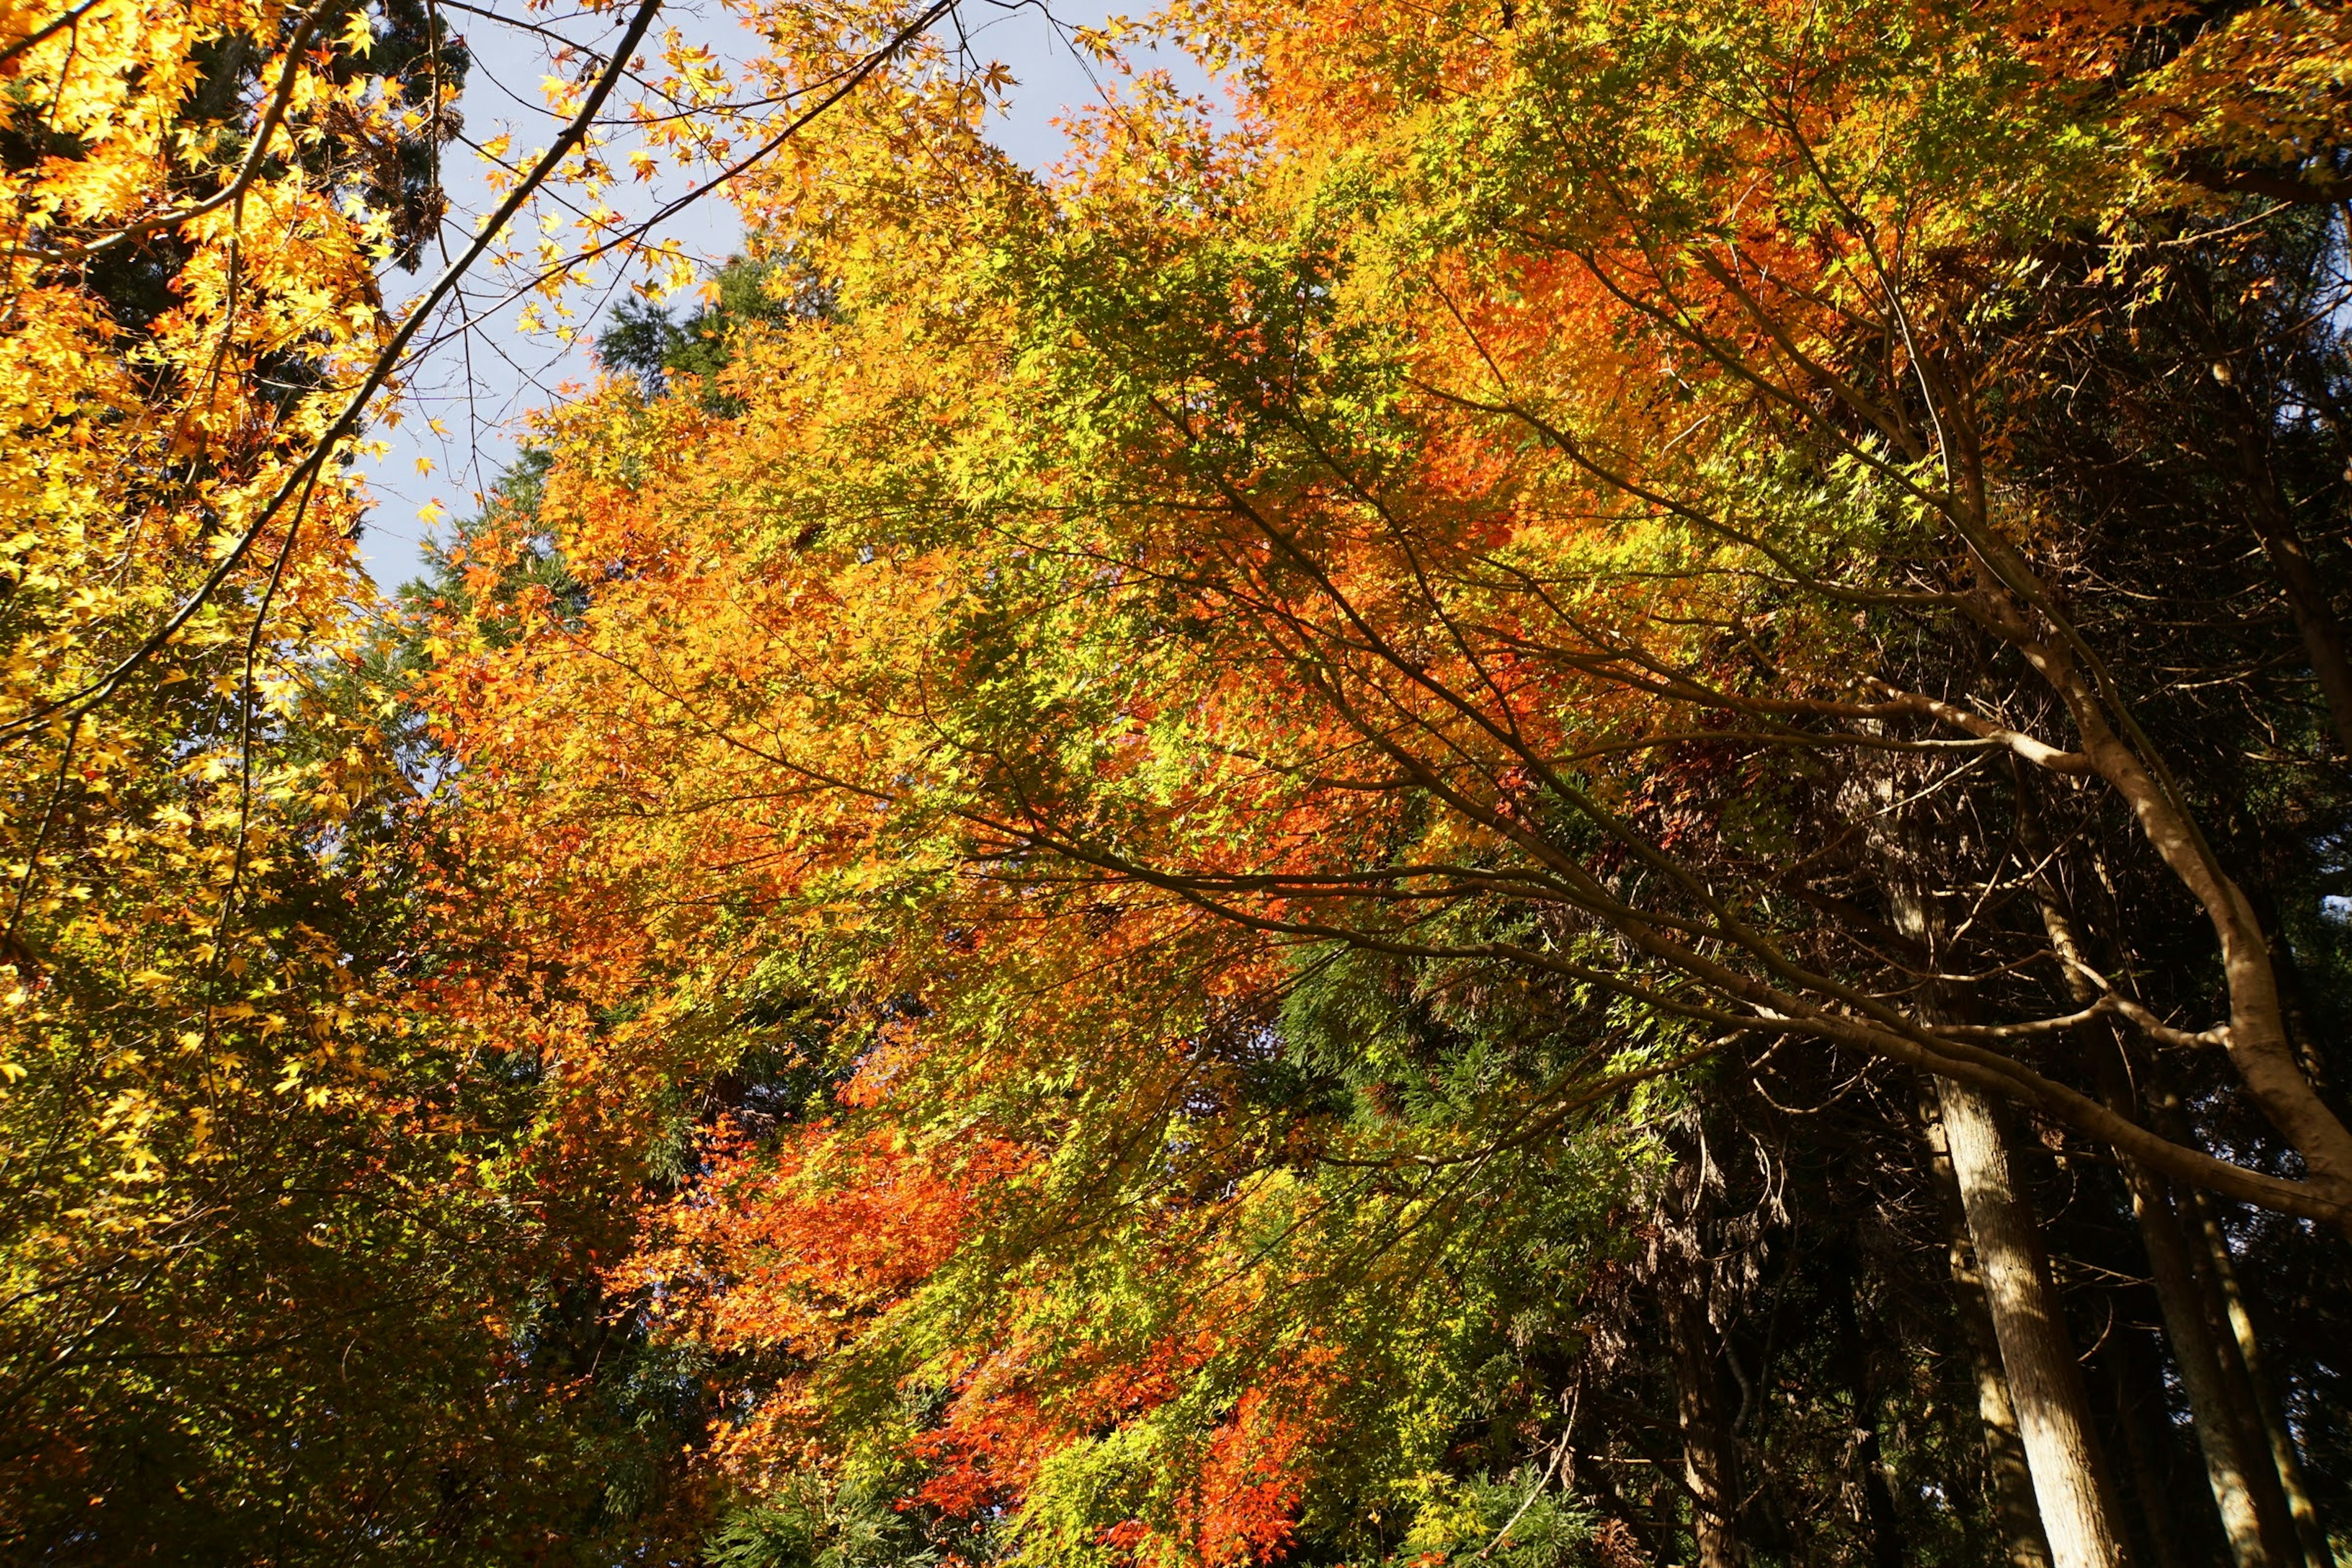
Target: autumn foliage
(1570, 791)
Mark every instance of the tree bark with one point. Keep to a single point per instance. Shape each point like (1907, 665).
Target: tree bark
(2323, 638)
(2145, 1452)
(2306, 597)
(2311, 1535)
(2240, 1466)
(1709, 1461)
(2221, 1426)
(1879, 1516)
(2076, 1499)
(2077, 1506)
(2291, 1518)
(2009, 1480)
(2251, 1510)
(2256, 1039)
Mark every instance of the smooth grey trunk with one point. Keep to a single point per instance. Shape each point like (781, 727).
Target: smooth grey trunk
(2077, 1506)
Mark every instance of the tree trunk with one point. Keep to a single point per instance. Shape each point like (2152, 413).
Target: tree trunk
(2079, 1518)
(2221, 1426)
(2145, 1451)
(2306, 597)
(2238, 1390)
(2290, 1517)
(2078, 1511)
(2253, 1513)
(2323, 638)
(1709, 1461)
(1879, 1518)
(2311, 1536)
(2010, 1482)
(2256, 1041)
(2252, 1509)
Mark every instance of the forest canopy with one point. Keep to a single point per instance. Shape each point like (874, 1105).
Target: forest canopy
(1570, 786)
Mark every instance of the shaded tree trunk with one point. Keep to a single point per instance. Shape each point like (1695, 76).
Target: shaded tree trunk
(2306, 597)
(2269, 1421)
(2323, 638)
(2205, 1286)
(2133, 1383)
(1710, 1465)
(2238, 1468)
(1710, 1458)
(2071, 1491)
(2246, 1497)
(1879, 1519)
(2220, 1425)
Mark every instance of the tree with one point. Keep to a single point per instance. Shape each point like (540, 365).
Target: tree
(1586, 507)
(302, 1229)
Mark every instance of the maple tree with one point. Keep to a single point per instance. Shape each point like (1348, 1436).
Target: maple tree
(1590, 511)
(1568, 799)
(285, 1275)
(256, 1241)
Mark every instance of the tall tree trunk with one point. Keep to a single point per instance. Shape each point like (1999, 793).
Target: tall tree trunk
(2323, 636)
(2144, 1450)
(2239, 1470)
(2078, 1511)
(2221, 1426)
(2291, 563)
(1709, 1461)
(1879, 1519)
(2253, 1513)
(2301, 1029)
(2311, 1535)
(2009, 1481)
(2290, 1520)
(2238, 1390)
(2079, 1518)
